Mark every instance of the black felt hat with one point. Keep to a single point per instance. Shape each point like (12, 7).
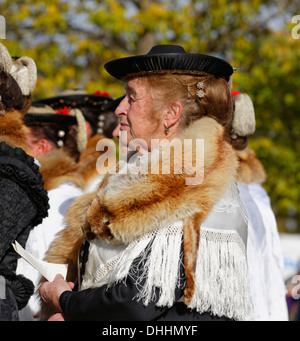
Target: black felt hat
(91, 106)
(163, 59)
(41, 114)
(76, 99)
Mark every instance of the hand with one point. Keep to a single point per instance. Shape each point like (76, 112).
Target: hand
(51, 291)
(57, 317)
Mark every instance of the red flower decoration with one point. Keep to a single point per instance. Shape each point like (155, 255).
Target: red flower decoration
(63, 111)
(99, 93)
(234, 93)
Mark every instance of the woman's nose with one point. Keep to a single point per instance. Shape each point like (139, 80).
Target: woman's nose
(122, 107)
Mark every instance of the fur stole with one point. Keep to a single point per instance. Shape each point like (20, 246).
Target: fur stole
(87, 164)
(57, 167)
(250, 168)
(135, 204)
(128, 205)
(11, 130)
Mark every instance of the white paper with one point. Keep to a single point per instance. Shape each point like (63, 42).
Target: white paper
(48, 270)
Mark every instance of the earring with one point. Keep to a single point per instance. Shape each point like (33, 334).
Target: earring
(167, 130)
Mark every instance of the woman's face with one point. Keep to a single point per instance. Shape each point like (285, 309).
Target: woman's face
(33, 145)
(138, 114)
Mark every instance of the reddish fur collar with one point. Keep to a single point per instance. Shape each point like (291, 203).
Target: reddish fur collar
(57, 167)
(11, 130)
(250, 168)
(87, 164)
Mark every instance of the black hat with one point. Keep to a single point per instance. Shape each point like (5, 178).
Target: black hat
(76, 99)
(163, 59)
(91, 105)
(41, 114)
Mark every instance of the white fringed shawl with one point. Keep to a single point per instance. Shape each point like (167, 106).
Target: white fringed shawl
(221, 274)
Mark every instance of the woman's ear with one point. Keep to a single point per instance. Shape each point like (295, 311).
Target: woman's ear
(173, 114)
(44, 147)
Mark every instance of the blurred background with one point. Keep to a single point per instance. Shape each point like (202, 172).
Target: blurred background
(71, 40)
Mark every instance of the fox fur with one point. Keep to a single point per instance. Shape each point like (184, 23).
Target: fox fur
(87, 164)
(127, 206)
(58, 167)
(250, 168)
(11, 130)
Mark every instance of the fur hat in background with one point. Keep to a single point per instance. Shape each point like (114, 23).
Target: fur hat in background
(244, 115)
(5, 59)
(250, 168)
(17, 77)
(24, 72)
(10, 93)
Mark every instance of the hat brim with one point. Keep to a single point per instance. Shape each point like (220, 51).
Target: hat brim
(75, 101)
(49, 119)
(176, 63)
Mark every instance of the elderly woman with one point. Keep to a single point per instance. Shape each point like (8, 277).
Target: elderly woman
(164, 236)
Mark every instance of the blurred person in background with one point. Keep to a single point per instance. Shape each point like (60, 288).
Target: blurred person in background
(23, 200)
(100, 123)
(265, 259)
(55, 140)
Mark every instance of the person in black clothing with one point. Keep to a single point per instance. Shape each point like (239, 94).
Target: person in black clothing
(23, 204)
(23, 199)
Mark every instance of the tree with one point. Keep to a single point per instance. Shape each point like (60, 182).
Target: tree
(71, 40)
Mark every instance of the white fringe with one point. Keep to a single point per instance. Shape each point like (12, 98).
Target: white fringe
(162, 268)
(221, 276)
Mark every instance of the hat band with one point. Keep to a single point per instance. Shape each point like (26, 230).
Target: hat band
(165, 72)
(39, 123)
